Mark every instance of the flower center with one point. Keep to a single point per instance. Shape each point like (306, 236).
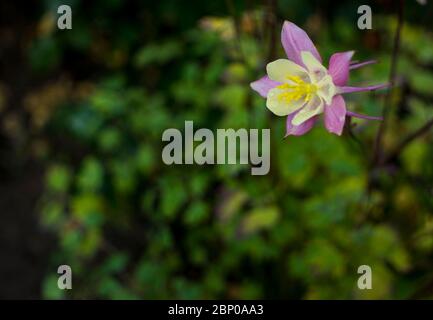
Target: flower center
(296, 90)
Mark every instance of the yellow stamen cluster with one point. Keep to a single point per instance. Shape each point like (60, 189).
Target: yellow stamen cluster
(296, 90)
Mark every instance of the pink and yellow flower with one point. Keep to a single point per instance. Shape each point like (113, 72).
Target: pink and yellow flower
(301, 88)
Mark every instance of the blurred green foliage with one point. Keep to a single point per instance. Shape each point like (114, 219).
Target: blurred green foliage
(133, 228)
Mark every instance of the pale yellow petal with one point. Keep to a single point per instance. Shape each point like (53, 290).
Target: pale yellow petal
(312, 108)
(279, 70)
(279, 106)
(326, 89)
(316, 70)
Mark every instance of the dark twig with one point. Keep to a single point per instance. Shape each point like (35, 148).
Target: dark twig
(270, 25)
(257, 19)
(377, 152)
(417, 133)
(272, 29)
(237, 26)
(349, 129)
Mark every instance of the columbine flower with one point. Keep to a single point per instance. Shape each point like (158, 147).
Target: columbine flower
(301, 88)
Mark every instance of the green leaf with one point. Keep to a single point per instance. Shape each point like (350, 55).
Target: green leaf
(196, 213)
(90, 177)
(58, 178)
(50, 289)
(157, 53)
(260, 218)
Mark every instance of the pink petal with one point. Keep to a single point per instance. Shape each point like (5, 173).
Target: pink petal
(263, 85)
(339, 67)
(360, 89)
(361, 116)
(335, 115)
(295, 40)
(301, 129)
(361, 64)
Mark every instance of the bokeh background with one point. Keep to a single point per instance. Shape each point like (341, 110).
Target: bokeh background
(82, 183)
